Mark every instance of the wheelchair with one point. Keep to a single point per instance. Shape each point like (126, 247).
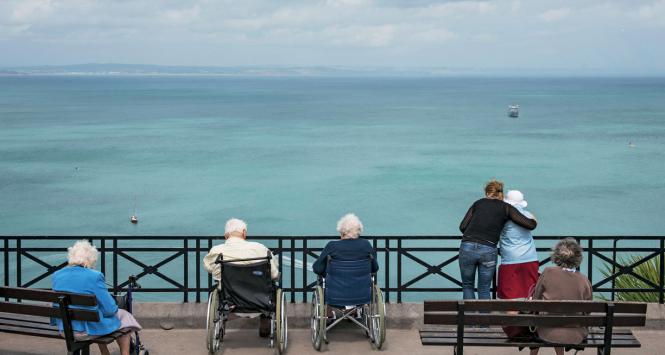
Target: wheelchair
(348, 288)
(246, 288)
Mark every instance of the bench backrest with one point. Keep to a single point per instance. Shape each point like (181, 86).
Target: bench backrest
(536, 313)
(47, 310)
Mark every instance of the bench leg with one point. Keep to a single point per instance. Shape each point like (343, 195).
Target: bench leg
(81, 351)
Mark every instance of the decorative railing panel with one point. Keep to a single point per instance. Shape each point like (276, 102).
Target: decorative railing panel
(411, 267)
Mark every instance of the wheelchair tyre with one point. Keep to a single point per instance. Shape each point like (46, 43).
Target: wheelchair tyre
(318, 318)
(281, 322)
(377, 318)
(214, 323)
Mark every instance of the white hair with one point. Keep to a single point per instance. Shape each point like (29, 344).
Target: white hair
(235, 225)
(349, 226)
(82, 253)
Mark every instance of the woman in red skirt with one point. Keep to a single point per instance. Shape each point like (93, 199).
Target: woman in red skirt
(518, 272)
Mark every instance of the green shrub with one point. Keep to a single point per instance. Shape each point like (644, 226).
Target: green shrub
(648, 270)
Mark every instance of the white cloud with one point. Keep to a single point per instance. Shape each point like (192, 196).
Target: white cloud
(434, 35)
(555, 14)
(361, 36)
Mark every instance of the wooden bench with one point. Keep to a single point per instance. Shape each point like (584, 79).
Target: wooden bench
(600, 317)
(34, 316)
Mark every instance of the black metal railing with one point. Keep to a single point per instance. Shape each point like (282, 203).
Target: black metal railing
(411, 267)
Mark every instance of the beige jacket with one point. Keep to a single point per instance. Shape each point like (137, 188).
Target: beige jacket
(238, 248)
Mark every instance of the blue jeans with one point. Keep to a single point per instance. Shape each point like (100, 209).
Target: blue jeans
(474, 256)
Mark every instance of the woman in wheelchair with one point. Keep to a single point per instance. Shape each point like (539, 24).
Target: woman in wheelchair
(346, 288)
(247, 286)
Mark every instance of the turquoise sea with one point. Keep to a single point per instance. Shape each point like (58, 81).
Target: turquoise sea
(292, 155)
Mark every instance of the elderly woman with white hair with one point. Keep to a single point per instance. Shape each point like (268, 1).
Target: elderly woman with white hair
(349, 247)
(80, 277)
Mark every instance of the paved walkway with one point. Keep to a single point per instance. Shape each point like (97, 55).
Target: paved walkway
(342, 341)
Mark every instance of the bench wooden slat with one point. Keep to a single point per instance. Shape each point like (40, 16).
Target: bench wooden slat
(47, 311)
(502, 335)
(549, 320)
(534, 306)
(10, 317)
(620, 343)
(46, 296)
(28, 331)
(469, 330)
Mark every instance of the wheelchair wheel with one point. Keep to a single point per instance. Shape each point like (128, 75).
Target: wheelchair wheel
(318, 318)
(214, 323)
(377, 318)
(281, 322)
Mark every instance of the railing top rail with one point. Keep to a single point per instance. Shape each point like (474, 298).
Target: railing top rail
(320, 237)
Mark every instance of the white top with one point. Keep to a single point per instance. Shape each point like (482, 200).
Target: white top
(238, 248)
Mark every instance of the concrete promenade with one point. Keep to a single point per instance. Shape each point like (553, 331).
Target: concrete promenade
(344, 341)
(185, 335)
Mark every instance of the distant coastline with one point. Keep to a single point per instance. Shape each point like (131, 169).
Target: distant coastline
(111, 69)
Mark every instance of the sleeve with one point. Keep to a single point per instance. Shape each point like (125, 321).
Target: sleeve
(520, 219)
(210, 266)
(274, 266)
(467, 219)
(105, 302)
(319, 266)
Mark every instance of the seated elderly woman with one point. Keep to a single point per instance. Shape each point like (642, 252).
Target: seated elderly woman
(79, 277)
(348, 248)
(563, 282)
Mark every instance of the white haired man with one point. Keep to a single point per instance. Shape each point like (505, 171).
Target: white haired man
(236, 246)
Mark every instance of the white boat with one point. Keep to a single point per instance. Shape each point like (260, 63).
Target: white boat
(513, 111)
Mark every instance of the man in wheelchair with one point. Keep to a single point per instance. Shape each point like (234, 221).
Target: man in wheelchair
(247, 286)
(346, 288)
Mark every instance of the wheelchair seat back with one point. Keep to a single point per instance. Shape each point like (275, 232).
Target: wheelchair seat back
(248, 286)
(348, 283)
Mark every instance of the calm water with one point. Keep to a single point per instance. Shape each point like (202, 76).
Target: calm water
(291, 155)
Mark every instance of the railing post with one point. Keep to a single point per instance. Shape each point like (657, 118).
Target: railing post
(198, 269)
(185, 297)
(304, 269)
(614, 258)
(399, 270)
(293, 269)
(6, 260)
(387, 261)
(102, 251)
(662, 272)
(18, 262)
(115, 265)
(209, 274)
(589, 260)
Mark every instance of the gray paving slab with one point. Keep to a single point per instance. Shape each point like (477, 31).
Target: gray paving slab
(347, 341)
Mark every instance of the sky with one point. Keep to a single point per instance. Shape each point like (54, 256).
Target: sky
(621, 36)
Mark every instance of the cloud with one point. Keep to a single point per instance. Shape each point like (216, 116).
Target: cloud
(346, 32)
(555, 14)
(362, 36)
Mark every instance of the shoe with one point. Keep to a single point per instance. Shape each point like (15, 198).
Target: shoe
(264, 326)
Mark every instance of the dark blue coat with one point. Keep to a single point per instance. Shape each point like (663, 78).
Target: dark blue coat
(345, 249)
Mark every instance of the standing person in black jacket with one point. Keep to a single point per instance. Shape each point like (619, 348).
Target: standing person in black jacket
(481, 228)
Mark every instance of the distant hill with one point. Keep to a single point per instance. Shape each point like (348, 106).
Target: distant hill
(258, 71)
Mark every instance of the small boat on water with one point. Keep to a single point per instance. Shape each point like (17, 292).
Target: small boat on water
(133, 218)
(513, 111)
